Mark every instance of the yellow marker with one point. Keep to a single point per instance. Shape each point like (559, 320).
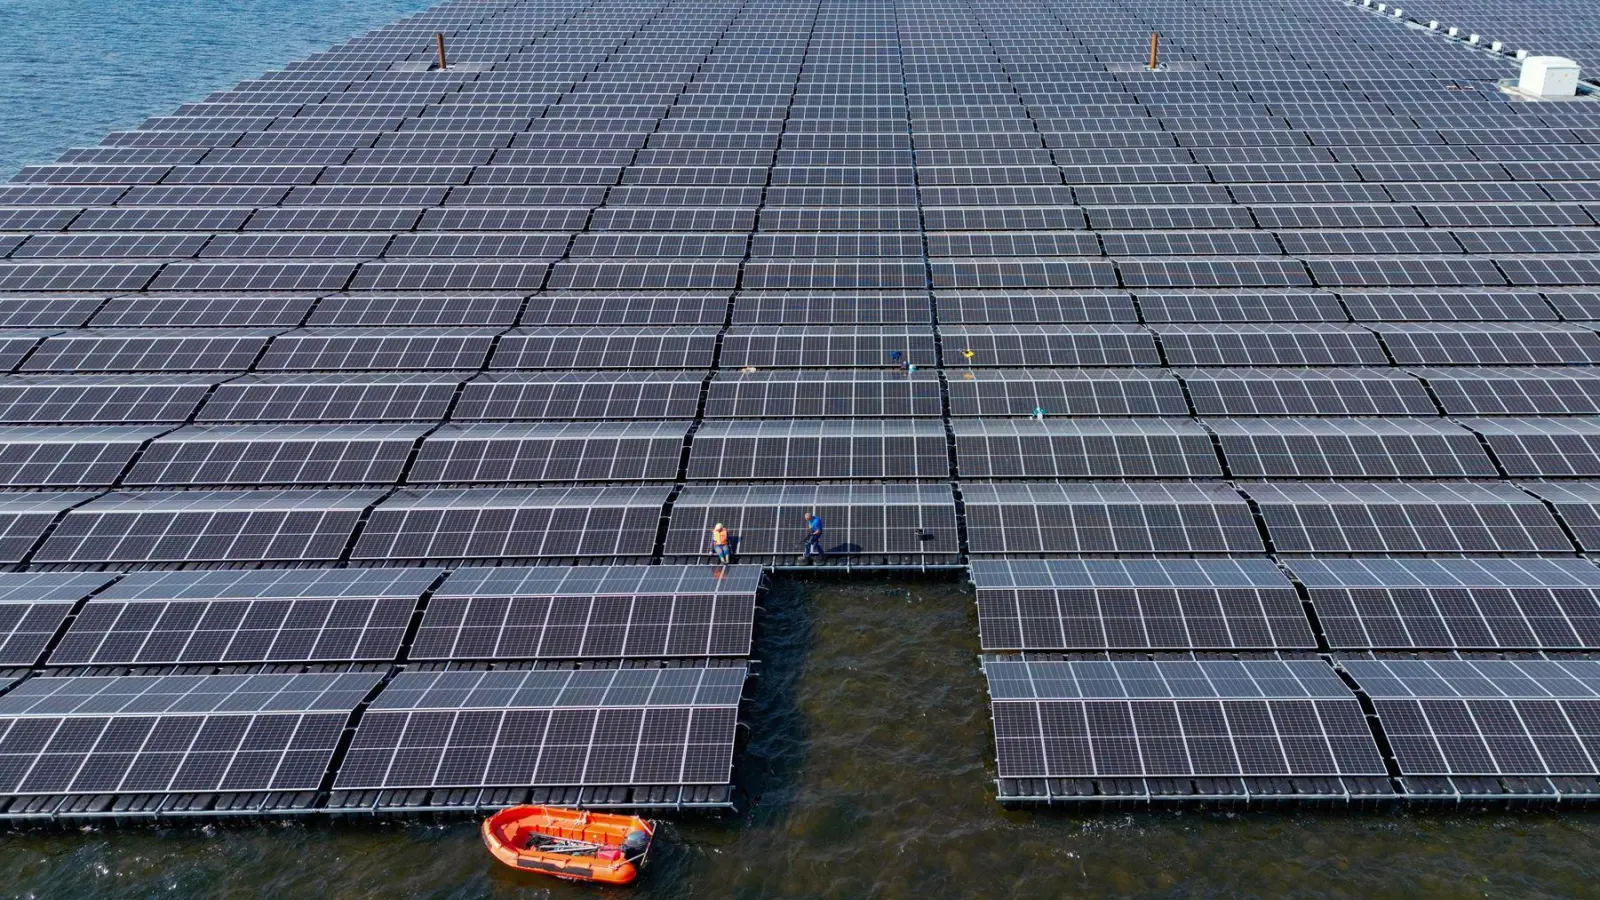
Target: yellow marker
(967, 353)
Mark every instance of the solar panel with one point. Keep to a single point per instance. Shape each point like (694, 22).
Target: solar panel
(860, 521)
(581, 395)
(240, 617)
(1510, 343)
(99, 399)
(808, 393)
(513, 523)
(378, 349)
(843, 308)
(1095, 518)
(69, 456)
(1268, 345)
(615, 276)
(804, 346)
(1137, 604)
(1354, 448)
(1048, 345)
(32, 607)
(24, 517)
(1239, 306)
(240, 275)
(1209, 719)
(1083, 448)
(276, 455)
(1065, 392)
(190, 526)
(1484, 717)
(1573, 304)
(175, 734)
(334, 218)
(331, 397)
(590, 612)
(1465, 306)
(640, 274)
(637, 307)
(1416, 517)
(1578, 505)
(1553, 447)
(90, 246)
(605, 347)
(44, 312)
(345, 310)
(1044, 306)
(1452, 603)
(140, 311)
(1307, 392)
(810, 449)
(150, 350)
(627, 728)
(566, 451)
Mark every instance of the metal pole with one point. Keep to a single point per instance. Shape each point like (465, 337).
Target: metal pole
(1155, 41)
(439, 38)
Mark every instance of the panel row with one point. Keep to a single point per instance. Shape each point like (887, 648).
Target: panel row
(136, 737)
(1097, 731)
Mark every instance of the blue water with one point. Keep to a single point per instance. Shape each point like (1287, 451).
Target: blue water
(72, 70)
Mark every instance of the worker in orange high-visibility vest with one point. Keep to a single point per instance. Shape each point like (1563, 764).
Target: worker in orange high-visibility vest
(720, 545)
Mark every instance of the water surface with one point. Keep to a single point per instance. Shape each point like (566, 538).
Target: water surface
(72, 70)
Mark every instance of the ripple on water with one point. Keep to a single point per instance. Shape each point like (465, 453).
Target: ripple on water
(75, 69)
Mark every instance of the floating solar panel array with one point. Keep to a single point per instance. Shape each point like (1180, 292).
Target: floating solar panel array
(1362, 275)
(1217, 728)
(374, 374)
(1572, 36)
(122, 744)
(1526, 728)
(435, 381)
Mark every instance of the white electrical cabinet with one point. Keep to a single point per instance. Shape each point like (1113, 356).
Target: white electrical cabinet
(1548, 77)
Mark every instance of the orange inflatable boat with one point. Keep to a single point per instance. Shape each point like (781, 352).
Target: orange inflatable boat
(569, 843)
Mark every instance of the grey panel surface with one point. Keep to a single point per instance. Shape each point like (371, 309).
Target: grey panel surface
(547, 728)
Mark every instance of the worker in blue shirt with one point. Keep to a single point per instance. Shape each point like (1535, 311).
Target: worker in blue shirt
(814, 537)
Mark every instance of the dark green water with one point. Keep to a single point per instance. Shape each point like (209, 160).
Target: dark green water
(868, 772)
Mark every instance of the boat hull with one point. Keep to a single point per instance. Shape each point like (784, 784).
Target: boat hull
(510, 834)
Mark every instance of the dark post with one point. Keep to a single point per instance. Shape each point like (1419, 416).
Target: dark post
(439, 38)
(1155, 41)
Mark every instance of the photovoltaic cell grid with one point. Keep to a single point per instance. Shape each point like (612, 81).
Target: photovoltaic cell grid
(1451, 604)
(940, 273)
(635, 730)
(1138, 604)
(32, 607)
(1106, 730)
(253, 616)
(174, 733)
(1528, 724)
(911, 523)
(590, 612)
